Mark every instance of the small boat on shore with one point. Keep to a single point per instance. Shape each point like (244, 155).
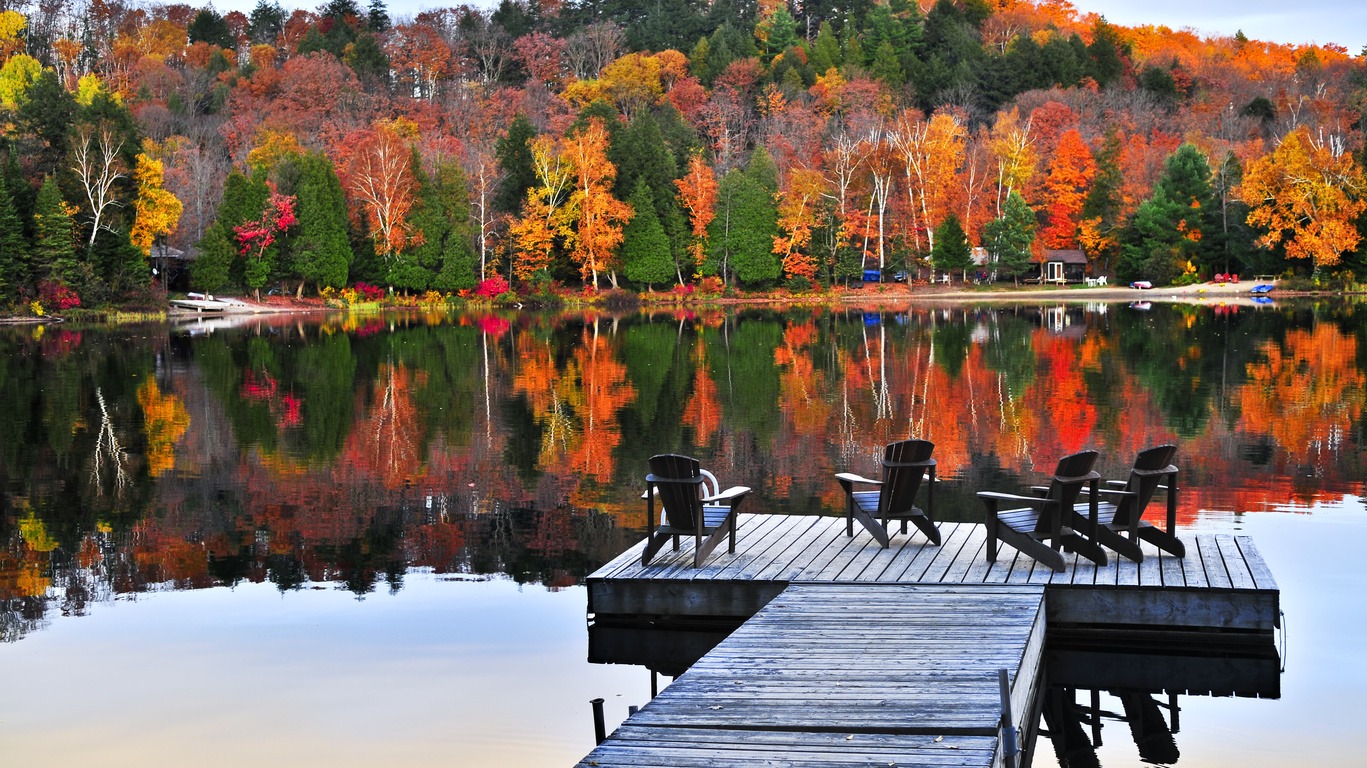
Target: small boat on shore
(203, 302)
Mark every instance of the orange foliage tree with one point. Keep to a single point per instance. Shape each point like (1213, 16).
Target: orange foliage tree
(798, 208)
(545, 215)
(698, 196)
(601, 217)
(1065, 190)
(1307, 195)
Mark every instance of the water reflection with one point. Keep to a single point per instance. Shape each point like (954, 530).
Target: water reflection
(347, 450)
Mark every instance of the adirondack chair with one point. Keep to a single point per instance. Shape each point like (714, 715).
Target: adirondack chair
(687, 509)
(1043, 525)
(1120, 523)
(905, 465)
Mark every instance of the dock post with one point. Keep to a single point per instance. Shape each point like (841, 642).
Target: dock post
(1009, 746)
(599, 729)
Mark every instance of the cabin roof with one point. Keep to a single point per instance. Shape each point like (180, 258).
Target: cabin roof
(1067, 257)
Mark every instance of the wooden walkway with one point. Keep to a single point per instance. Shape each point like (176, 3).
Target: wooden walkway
(1223, 582)
(837, 675)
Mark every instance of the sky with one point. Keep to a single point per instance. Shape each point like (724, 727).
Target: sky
(1343, 22)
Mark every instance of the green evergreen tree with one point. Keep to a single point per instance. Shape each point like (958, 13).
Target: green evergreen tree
(1103, 202)
(886, 66)
(1106, 63)
(645, 157)
(825, 50)
(645, 248)
(741, 237)
(14, 248)
(46, 114)
(442, 214)
(1173, 225)
(266, 22)
(1008, 239)
(54, 251)
(244, 199)
(951, 251)
(321, 251)
(515, 159)
(211, 28)
(782, 32)
(377, 17)
(209, 271)
(1154, 249)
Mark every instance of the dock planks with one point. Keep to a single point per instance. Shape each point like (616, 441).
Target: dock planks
(1222, 584)
(833, 675)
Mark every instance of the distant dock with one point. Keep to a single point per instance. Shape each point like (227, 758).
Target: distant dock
(868, 656)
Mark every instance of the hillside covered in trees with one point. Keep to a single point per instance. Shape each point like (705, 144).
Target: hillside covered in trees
(659, 144)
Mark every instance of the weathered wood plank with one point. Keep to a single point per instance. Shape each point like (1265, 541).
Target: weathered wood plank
(1217, 576)
(1262, 575)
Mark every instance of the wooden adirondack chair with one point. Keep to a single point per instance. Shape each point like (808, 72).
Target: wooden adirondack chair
(905, 465)
(1120, 523)
(1041, 527)
(687, 509)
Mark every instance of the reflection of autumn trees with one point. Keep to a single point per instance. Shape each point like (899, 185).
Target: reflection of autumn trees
(1306, 394)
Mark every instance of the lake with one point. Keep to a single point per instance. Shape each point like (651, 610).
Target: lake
(359, 540)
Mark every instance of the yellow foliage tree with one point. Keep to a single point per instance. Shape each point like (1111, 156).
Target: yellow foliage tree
(1307, 195)
(17, 74)
(156, 211)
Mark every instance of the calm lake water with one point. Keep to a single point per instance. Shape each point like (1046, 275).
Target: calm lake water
(359, 541)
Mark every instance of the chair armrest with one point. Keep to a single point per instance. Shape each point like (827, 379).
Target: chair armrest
(846, 477)
(1107, 492)
(730, 494)
(1013, 497)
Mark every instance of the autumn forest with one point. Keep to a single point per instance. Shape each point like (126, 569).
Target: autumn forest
(681, 145)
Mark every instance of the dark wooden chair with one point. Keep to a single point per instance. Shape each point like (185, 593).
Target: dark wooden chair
(1043, 525)
(687, 509)
(905, 465)
(1120, 523)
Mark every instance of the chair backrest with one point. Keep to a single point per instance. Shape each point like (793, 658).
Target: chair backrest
(1151, 466)
(1070, 476)
(904, 465)
(679, 483)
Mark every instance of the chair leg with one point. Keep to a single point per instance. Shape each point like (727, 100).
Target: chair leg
(1076, 542)
(1123, 546)
(926, 526)
(991, 525)
(872, 526)
(1033, 547)
(1163, 540)
(654, 543)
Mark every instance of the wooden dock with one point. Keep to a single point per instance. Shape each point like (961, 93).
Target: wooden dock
(1222, 584)
(849, 675)
(860, 655)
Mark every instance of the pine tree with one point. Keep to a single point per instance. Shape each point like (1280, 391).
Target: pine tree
(951, 251)
(515, 159)
(209, 271)
(54, 251)
(322, 251)
(645, 248)
(14, 248)
(1009, 238)
(442, 215)
(741, 237)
